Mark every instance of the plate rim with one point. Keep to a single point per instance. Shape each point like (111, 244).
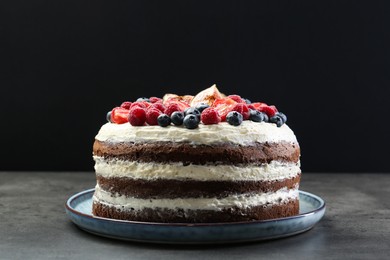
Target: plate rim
(69, 208)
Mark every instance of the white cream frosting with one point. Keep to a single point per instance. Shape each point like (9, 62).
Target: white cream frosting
(248, 133)
(151, 171)
(241, 201)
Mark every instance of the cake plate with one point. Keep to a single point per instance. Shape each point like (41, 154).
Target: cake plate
(79, 209)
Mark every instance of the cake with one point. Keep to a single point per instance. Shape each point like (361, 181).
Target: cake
(206, 158)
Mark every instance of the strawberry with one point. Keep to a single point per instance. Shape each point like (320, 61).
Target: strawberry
(269, 110)
(119, 115)
(151, 116)
(155, 99)
(257, 105)
(158, 106)
(224, 106)
(137, 116)
(172, 108)
(237, 98)
(210, 116)
(242, 109)
(126, 105)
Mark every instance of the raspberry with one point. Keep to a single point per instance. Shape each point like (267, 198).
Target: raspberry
(141, 104)
(242, 109)
(151, 116)
(210, 116)
(155, 99)
(158, 106)
(269, 110)
(237, 98)
(172, 108)
(126, 105)
(119, 115)
(137, 116)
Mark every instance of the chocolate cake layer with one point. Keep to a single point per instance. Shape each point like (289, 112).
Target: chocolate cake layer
(170, 189)
(235, 214)
(230, 154)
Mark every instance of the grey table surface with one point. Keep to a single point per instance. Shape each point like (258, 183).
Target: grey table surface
(33, 223)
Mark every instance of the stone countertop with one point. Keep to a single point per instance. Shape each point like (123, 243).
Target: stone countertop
(33, 223)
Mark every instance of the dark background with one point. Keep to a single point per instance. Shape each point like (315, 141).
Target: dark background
(64, 64)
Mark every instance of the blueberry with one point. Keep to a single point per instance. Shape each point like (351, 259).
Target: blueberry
(256, 116)
(143, 99)
(191, 121)
(283, 116)
(163, 120)
(247, 101)
(108, 116)
(266, 117)
(234, 118)
(192, 111)
(177, 118)
(201, 106)
(278, 120)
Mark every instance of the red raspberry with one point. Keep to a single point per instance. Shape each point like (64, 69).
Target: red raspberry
(158, 106)
(251, 107)
(210, 116)
(151, 116)
(141, 104)
(155, 99)
(126, 105)
(242, 109)
(119, 115)
(172, 108)
(137, 116)
(237, 98)
(269, 110)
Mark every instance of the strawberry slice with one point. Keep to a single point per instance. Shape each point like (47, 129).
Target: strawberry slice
(224, 106)
(119, 115)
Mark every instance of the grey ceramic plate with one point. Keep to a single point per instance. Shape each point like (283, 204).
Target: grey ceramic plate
(79, 207)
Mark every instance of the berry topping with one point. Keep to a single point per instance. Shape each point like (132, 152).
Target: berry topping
(108, 116)
(191, 121)
(276, 119)
(243, 109)
(234, 118)
(143, 99)
(192, 111)
(256, 116)
(119, 115)
(126, 105)
(172, 108)
(155, 100)
(210, 116)
(163, 120)
(137, 116)
(266, 118)
(177, 118)
(247, 101)
(283, 116)
(140, 104)
(269, 110)
(151, 116)
(237, 98)
(201, 107)
(158, 106)
(224, 106)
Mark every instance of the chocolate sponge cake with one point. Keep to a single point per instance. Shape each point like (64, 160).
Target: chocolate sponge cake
(204, 171)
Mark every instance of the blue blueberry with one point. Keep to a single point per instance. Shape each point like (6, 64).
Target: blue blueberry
(143, 99)
(276, 119)
(201, 106)
(234, 118)
(108, 116)
(177, 118)
(163, 120)
(266, 117)
(256, 116)
(247, 101)
(191, 121)
(283, 116)
(192, 111)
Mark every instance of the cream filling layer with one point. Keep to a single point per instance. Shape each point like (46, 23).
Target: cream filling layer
(241, 201)
(247, 133)
(152, 171)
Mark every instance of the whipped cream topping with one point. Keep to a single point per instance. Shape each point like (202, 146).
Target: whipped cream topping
(241, 201)
(275, 170)
(248, 133)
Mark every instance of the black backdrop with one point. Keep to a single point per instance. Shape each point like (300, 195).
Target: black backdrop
(64, 64)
